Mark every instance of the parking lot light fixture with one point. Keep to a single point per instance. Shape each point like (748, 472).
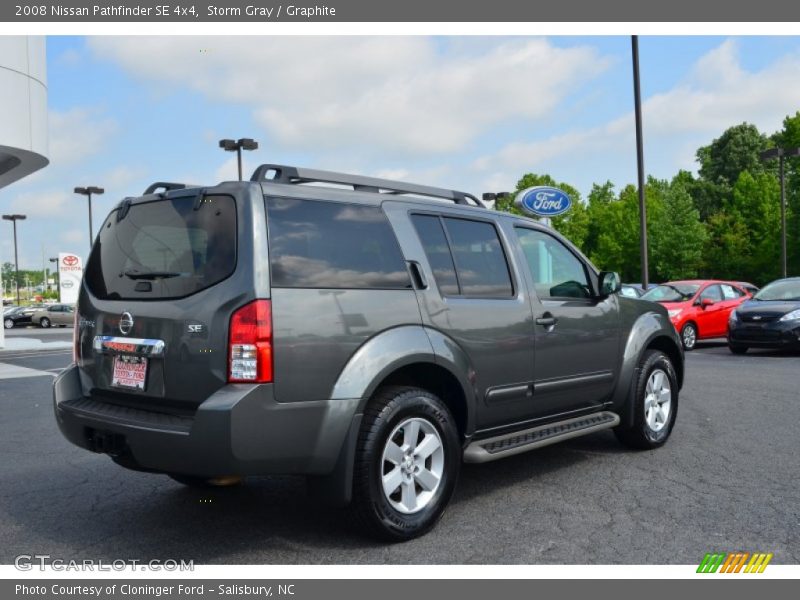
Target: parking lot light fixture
(237, 146)
(781, 154)
(88, 191)
(14, 219)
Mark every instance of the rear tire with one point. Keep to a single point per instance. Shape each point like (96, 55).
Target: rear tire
(44, 322)
(689, 336)
(737, 348)
(407, 462)
(655, 404)
(8, 324)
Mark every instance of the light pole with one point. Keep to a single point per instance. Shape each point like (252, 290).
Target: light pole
(237, 146)
(637, 101)
(88, 191)
(54, 259)
(781, 154)
(14, 219)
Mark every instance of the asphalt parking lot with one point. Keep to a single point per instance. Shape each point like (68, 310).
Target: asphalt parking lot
(726, 481)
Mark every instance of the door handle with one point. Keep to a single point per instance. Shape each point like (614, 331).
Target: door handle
(546, 320)
(417, 275)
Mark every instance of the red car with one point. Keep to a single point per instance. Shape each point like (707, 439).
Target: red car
(699, 309)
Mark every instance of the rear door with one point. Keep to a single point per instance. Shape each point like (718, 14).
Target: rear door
(576, 333)
(153, 310)
(474, 297)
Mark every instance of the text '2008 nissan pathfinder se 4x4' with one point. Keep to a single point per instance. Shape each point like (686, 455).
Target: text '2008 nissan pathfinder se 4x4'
(369, 334)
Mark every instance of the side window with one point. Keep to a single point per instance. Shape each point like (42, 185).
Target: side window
(731, 293)
(317, 244)
(555, 270)
(431, 234)
(712, 292)
(479, 258)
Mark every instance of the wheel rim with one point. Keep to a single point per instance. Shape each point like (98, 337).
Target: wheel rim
(45, 323)
(657, 400)
(412, 465)
(9, 324)
(689, 336)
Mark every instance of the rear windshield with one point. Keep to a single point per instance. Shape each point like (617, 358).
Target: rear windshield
(164, 249)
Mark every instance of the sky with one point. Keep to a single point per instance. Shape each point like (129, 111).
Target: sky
(468, 113)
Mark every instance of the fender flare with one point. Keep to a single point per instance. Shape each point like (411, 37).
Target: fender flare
(395, 348)
(648, 327)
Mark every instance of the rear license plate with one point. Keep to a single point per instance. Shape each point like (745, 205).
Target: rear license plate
(130, 372)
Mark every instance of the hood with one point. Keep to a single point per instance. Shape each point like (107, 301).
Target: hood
(676, 305)
(767, 309)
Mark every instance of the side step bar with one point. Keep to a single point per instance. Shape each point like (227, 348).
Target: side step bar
(481, 451)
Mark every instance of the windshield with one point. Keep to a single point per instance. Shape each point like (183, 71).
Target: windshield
(164, 249)
(788, 289)
(672, 292)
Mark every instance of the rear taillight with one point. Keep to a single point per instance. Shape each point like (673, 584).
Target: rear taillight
(250, 343)
(76, 337)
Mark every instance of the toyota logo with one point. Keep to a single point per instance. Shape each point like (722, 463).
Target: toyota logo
(126, 323)
(69, 260)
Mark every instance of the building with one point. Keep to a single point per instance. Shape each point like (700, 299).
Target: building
(23, 110)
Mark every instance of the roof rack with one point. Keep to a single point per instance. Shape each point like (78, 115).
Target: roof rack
(166, 186)
(298, 175)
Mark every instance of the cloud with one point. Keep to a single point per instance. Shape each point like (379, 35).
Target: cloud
(44, 203)
(398, 94)
(73, 236)
(78, 133)
(716, 94)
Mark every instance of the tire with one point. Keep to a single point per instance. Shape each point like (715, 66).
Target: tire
(384, 449)
(737, 348)
(8, 324)
(194, 481)
(648, 431)
(689, 336)
(44, 322)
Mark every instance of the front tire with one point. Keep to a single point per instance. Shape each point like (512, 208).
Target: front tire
(8, 324)
(689, 336)
(408, 458)
(45, 323)
(655, 404)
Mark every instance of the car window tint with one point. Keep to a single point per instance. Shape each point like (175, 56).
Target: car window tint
(316, 244)
(479, 259)
(430, 232)
(712, 292)
(555, 270)
(168, 248)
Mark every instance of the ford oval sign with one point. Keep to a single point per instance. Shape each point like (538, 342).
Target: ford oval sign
(543, 201)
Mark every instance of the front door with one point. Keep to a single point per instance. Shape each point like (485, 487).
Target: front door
(577, 343)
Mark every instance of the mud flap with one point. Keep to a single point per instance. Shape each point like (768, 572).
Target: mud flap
(336, 488)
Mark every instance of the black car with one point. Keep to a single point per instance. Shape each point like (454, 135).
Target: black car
(770, 319)
(19, 315)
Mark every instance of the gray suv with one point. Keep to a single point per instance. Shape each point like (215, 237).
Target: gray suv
(370, 334)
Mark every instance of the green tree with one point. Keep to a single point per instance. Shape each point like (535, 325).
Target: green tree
(737, 149)
(677, 250)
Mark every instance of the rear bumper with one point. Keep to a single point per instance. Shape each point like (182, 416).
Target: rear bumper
(239, 430)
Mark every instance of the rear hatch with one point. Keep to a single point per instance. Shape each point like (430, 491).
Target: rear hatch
(160, 286)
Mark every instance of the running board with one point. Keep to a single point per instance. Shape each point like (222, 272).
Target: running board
(481, 451)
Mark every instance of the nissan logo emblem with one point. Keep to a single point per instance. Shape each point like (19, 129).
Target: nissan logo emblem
(126, 323)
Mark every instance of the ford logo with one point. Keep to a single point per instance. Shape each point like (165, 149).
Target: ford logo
(126, 323)
(543, 201)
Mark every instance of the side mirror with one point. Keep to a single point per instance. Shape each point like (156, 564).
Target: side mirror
(706, 302)
(609, 283)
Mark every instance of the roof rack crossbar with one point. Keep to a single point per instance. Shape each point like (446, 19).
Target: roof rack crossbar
(166, 186)
(298, 175)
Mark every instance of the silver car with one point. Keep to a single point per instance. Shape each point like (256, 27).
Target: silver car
(55, 314)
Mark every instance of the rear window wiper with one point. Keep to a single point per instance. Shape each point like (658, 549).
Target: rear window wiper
(134, 274)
